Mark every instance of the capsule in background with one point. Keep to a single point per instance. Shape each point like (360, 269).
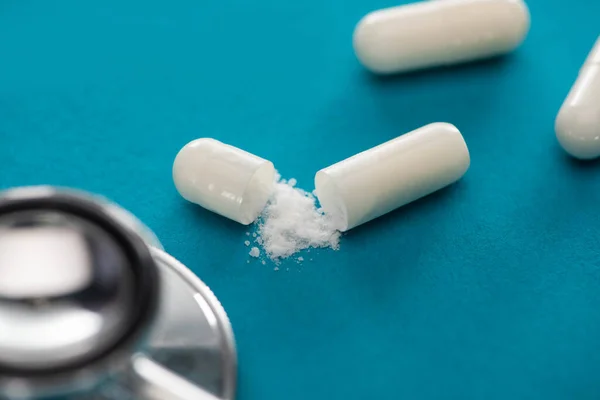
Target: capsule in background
(578, 121)
(377, 181)
(224, 179)
(439, 32)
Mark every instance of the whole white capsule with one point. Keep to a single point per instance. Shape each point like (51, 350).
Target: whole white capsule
(439, 32)
(578, 121)
(223, 179)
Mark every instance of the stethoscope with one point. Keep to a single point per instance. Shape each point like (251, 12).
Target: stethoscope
(91, 307)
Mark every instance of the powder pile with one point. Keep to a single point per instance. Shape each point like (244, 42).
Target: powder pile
(291, 222)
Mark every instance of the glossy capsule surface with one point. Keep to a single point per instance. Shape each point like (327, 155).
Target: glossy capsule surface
(578, 121)
(379, 180)
(439, 32)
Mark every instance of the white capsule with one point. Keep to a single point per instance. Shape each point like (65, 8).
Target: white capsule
(578, 121)
(439, 32)
(379, 180)
(223, 179)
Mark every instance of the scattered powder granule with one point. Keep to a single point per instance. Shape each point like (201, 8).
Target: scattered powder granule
(264, 262)
(254, 234)
(247, 233)
(254, 252)
(247, 243)
(291, 222)
(300, 259)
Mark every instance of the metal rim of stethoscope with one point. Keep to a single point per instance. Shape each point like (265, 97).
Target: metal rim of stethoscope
(222, 322)
(141, 262)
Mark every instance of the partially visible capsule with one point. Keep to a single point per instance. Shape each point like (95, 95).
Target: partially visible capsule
(578, 121)
(439, 32)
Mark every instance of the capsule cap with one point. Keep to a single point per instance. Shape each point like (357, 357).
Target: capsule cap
(223, 179)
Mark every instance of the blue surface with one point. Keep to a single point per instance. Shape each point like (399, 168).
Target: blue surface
(489, 289)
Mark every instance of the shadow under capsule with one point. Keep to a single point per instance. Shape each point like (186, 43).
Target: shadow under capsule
(585, 166)
(413, 211)
(212, 220)
(439, 73)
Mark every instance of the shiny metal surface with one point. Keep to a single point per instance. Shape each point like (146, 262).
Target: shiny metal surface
(191, 353)
(65, 288)
(193, 336)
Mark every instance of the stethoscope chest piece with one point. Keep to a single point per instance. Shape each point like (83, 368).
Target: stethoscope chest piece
(91, 307)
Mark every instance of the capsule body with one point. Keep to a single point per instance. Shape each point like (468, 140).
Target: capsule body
(578, 121)
(439, 32)
(379, 180)
(223, 179)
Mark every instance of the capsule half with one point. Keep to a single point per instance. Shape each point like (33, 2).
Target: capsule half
(377, 181)
(223, 179)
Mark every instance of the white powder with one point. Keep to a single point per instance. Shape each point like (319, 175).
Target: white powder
(254, 252)
(247, 243)
(291, 222)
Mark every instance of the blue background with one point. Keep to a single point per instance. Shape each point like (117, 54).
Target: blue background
(489, 289)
